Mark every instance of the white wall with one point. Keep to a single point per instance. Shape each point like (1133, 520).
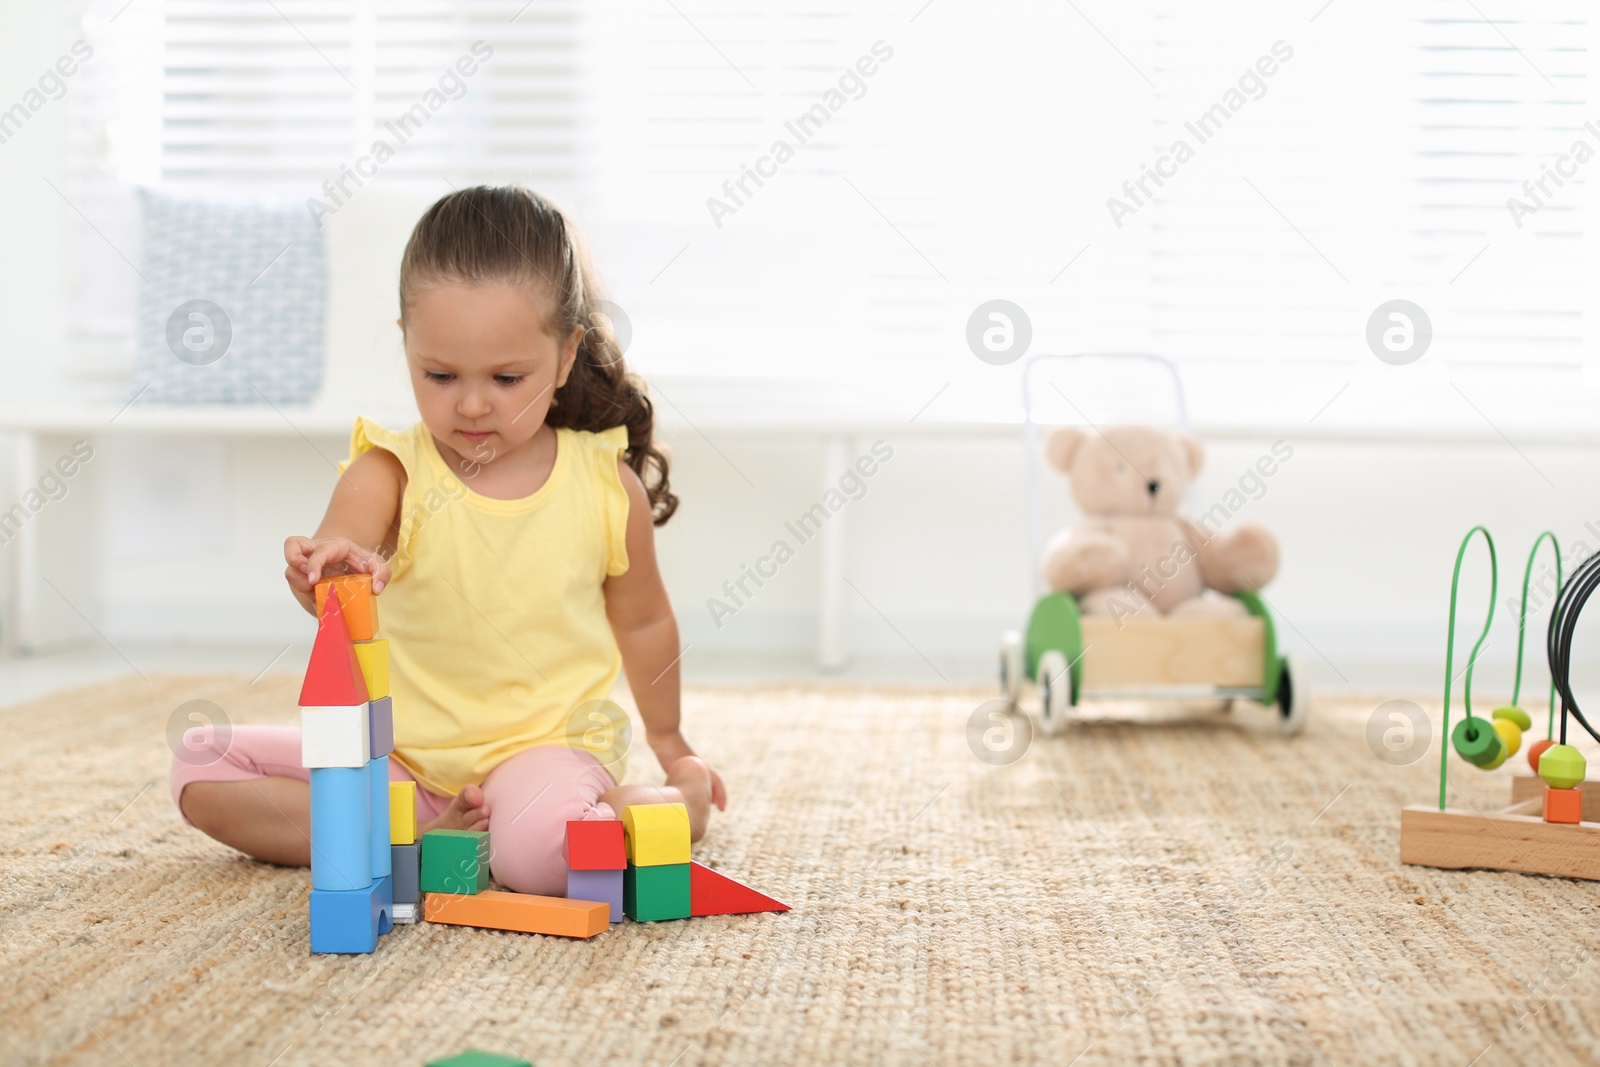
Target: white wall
(938, 545)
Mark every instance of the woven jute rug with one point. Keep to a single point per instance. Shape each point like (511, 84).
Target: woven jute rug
(1156, 886)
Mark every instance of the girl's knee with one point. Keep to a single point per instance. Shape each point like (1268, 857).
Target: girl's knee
(528, 853)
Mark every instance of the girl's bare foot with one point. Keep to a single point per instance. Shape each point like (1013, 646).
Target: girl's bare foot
(467, 811)
(691, 776)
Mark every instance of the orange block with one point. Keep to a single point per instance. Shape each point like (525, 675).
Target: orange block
(495, 909)
(1563, 805)
(355, 597)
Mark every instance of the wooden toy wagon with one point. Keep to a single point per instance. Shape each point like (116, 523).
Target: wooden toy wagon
(1072, 657)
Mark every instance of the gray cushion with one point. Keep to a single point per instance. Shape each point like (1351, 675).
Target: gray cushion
(232, 308)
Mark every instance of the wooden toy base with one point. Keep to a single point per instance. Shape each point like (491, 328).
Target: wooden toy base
(1226, 653)
(1516, 839)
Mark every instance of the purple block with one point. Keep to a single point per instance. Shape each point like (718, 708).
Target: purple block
(380, 723)
(597, 885)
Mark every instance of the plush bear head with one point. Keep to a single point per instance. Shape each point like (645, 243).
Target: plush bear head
(1126, 470)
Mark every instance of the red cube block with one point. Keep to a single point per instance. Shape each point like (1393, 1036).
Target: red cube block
(596, 845)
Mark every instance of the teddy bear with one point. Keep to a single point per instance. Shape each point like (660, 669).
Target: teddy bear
(1133, 553)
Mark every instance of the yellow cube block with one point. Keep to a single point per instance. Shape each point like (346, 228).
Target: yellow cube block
(402, 813)
(374, 659)
(657, 834)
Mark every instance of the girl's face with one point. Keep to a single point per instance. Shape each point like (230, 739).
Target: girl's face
(484, 364)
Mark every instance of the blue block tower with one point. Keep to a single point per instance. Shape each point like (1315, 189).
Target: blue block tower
(347, 733)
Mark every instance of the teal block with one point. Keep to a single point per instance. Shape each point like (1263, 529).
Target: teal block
(347, 920)
(341, 815)
(650, 894)
(378, 804)
(454, 861)
(477, 1058)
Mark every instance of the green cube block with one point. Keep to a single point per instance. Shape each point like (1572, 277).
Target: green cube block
(653, 893)
(454, 861)
(476, 1058)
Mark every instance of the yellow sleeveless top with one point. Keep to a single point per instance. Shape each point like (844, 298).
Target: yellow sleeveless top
(495, 615)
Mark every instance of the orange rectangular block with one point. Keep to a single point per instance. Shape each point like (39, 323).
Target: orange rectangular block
(496, 909)
(1563, 805)
(359, 606)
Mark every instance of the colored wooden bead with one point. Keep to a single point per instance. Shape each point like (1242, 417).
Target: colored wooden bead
(455, 861)
(657, 834)
(596, 845)
(1515, 714)
(356, 601)
(1562, 766)
(1535, 751)
(1563, 805)
(1476, 741)
(1510, 741)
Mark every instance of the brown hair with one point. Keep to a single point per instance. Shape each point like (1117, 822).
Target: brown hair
(510, 234)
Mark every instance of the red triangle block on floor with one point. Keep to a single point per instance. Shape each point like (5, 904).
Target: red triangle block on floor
(711, 893)
(333, 677)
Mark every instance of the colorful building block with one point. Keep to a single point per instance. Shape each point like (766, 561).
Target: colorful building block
(496, 909)
(335, 736)
(359, 606)
(347, 920)
(405, 867)
(373, 657)
(402, 813)
(378, 805)
(657, 834)
(604, 886)
(406, 913)
(596, 845)
(455, 861)
(659, 892)
(333, 677)
(380, 726)
(713, 893)
(1563, 805)
(341, 855)
(477, 1058)
(384, 888)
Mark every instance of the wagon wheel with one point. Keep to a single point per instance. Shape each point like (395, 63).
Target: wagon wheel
(1294, 699)
(1013, 671)
(1055, 691)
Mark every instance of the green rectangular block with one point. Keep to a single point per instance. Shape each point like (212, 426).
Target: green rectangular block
(454, 861)
(653, 893)
(478, 1058)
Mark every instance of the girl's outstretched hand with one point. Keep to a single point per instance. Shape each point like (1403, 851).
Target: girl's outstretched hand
(310, 561)
(671, 747)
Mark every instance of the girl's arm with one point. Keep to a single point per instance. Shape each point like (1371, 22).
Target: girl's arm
(358, 531)
(647, 635)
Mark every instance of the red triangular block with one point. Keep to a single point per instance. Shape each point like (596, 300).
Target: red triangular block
(333, 677)
(711, 893)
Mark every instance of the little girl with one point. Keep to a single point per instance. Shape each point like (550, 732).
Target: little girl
(509, 533)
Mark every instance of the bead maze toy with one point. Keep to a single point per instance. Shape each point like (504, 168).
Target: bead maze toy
(1074, 658)
(1544, 831)
(369, 867)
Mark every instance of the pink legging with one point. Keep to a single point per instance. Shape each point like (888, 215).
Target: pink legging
(531, 797)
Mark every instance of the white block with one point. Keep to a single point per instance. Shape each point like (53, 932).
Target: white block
(335, 737)
(405, 913)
